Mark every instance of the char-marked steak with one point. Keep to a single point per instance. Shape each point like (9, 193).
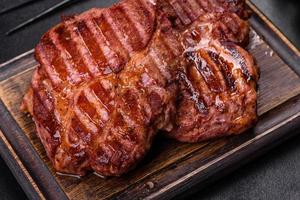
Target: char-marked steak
(108, 79)
(217, 94)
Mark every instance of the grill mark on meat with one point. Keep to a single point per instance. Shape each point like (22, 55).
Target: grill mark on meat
(240, 82)
(128, 28)
(73, 74)
(199, 84)
(132, 107)
(241, 60)
(227, 32)
(194, 95)
(231, 25)
(92, 45)
(216, 72)
(114, 62)
(186, 6)
(155, 101)
(103, 95)
(148, 7)
(139, 17)
(192, 9)
(85, 120)
(205, 5)
(83, 49)
(180, 12)
(43, 115)
(109, 33)
(99, 156)
(199, 6)
(231, 28)
(120, 155)
(127, 139)
(86, 107)
(211, 5)
(205, 70)
(102, 157)
(72, 55)
(196, 7)
(119, 33)
(225, 69)
(44, 90)
(127, 119)
(98, 105)
(79, 130)
(45, 121)
(51, 61)
(126, 130)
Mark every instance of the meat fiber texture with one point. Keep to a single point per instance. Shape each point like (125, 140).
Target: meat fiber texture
(111, 78)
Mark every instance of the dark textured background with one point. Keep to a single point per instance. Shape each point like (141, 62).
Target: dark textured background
(276, 175)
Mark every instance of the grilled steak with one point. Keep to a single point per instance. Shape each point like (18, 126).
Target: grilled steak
(107, 79)
(218, 88)
(69, 100)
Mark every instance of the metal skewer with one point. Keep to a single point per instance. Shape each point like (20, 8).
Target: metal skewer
(5, 10)
(40, 15)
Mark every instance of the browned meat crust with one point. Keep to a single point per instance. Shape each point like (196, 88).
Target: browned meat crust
(107, 79)
(218, 88)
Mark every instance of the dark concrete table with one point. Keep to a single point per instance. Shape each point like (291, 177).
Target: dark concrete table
(275, 175)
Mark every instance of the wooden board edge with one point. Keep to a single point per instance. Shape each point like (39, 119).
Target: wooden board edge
(275, 38)
(29, 157)
(290, 55)
(29, 53)
(273, 27)
(18, 169)
(231, 160)
(11, 61)
(226, 163)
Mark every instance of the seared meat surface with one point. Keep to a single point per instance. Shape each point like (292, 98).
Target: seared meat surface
(73, 96)
(218, 88)
(110, 78)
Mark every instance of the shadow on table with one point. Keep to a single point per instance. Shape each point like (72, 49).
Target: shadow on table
(274, 175)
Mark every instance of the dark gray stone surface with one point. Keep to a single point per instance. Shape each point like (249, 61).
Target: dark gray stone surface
(276, 175)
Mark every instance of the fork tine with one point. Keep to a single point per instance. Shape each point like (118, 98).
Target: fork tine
(5, 10)
(40, 15)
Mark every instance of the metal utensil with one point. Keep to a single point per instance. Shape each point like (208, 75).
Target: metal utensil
(16, 6)
(40, 15)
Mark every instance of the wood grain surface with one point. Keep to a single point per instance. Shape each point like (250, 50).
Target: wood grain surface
(170, 167)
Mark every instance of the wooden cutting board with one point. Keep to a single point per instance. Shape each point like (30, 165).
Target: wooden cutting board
(170, 168)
